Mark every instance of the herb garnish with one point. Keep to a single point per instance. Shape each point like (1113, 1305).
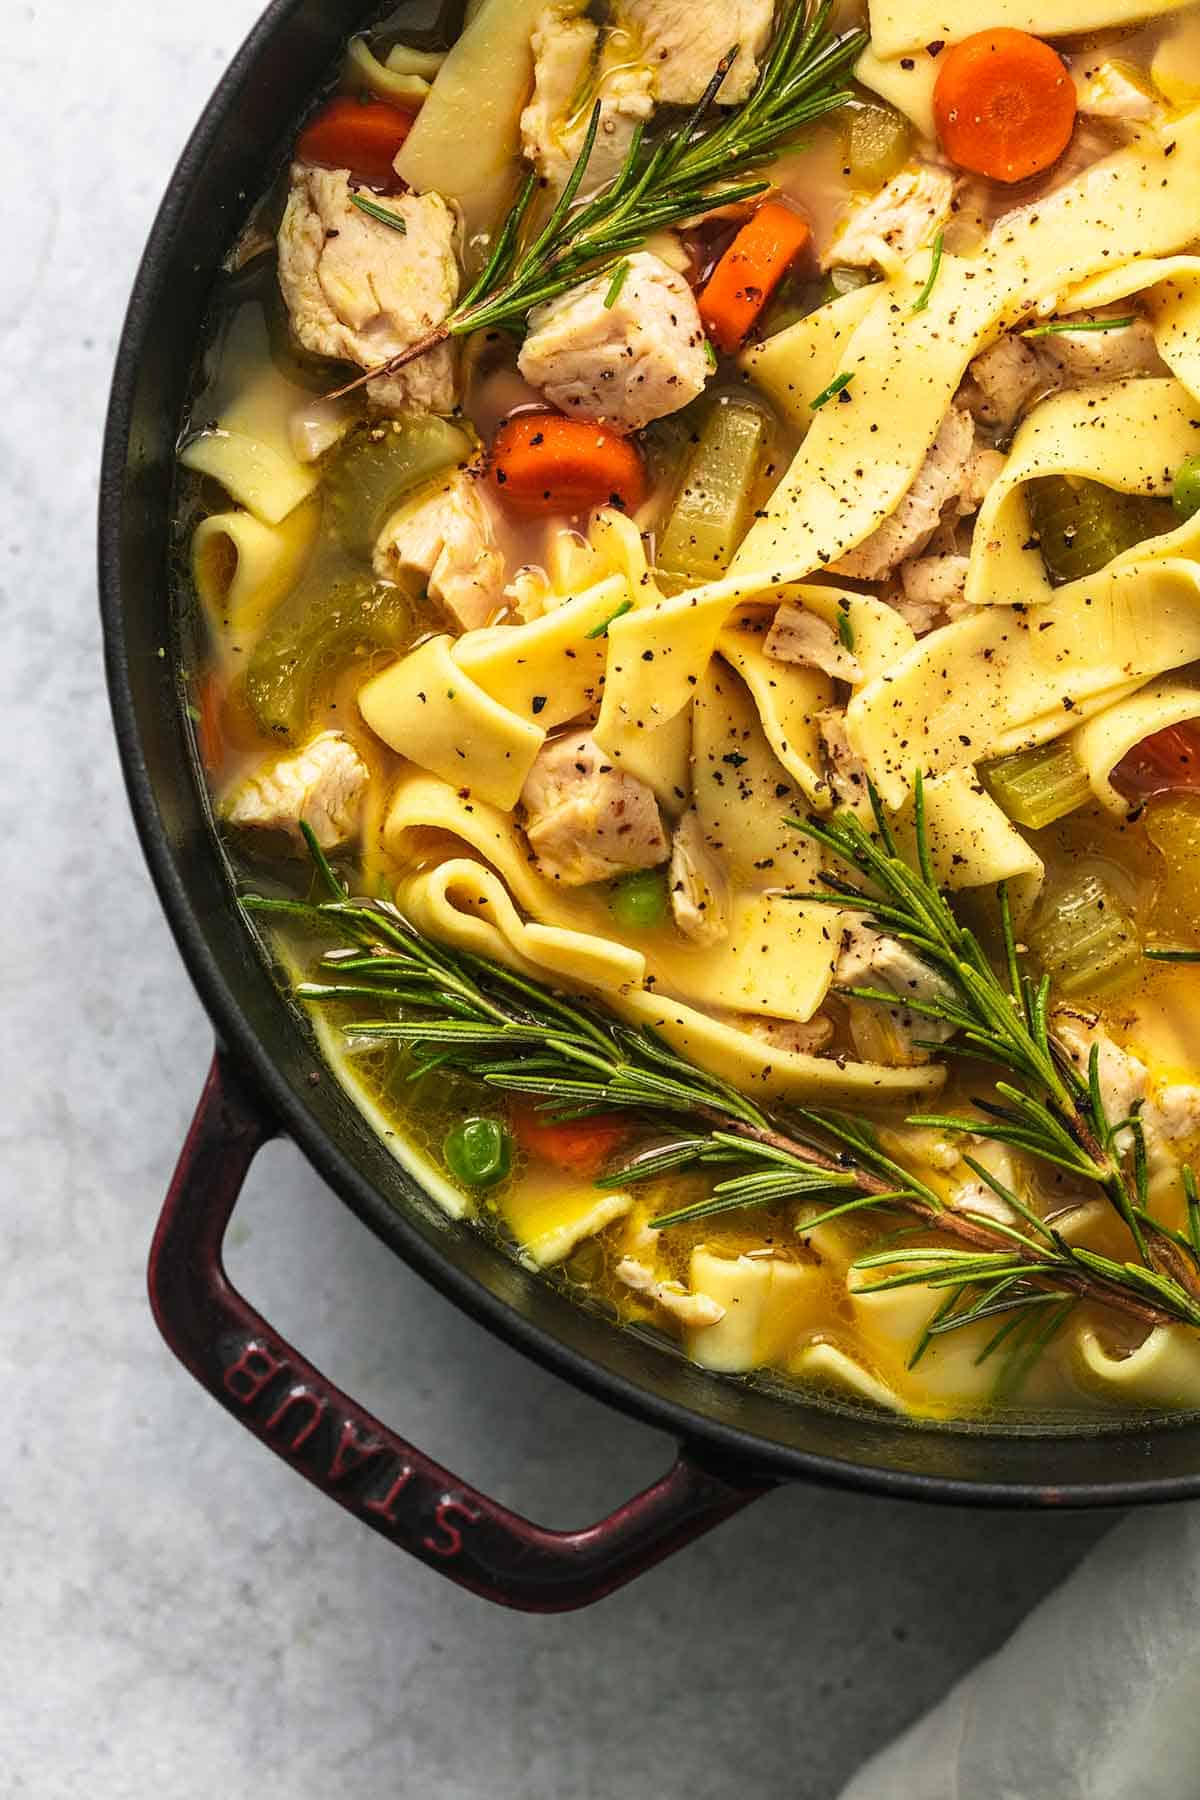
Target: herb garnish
(838, 385)
(922, 300)
(452, 1009)
(1057, 325)
(382, 213)
(680, 176)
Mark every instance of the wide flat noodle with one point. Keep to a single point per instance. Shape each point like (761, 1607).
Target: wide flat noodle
(450, 910)
(788, 696)
(898, 26)
(1012, 677)
(242, 569)
(797, 364)
(971, 840)
(904, 82)
(1103, 741)
(1130, 435)
(866, 444)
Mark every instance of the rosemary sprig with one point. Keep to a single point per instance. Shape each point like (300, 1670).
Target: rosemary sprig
(453, 1010)
(1064, 325)
(680, 175)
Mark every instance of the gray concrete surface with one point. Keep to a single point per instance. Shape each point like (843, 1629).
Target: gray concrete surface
(179, 1615)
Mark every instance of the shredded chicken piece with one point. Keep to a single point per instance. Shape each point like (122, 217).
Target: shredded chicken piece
(698, 883)
(692, 1310)
(931, 583)
(684, 40)
(363, 291)
(1076, 357)
(1169, 1111)
(624, 364)
(869, 959)
(555, 123)
(1002, 380)
(799, 636)
(847, 776)
(321, 786)
(1114, 90)
(943, 477)
(908, 212)
(585, 819)
(447, 535)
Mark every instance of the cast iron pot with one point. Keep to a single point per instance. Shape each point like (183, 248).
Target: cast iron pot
(735, 1440)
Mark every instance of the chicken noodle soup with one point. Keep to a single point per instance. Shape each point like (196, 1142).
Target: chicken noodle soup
(694, 521)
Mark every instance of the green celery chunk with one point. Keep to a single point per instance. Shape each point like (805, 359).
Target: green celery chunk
(1036, 787)
(1081, 525)
(712, 509)
(1185, 494)
(379, 466)
(326, 621)
(879, 140)
(1084, 938)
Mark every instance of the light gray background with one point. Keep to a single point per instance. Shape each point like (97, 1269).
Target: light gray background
(179, 1614)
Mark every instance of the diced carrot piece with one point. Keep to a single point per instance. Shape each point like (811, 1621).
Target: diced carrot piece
(1166, 762)
(749, 272)
(580, 1146)
(360, 135)
(542, 463)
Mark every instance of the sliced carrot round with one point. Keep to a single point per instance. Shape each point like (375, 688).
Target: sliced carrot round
(543, 463)
(360, 135)
(581, 1146)
(749, 272)
(1004, 104)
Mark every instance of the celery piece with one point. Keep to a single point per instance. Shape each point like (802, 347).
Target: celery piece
(712, 510)
(879, 139)
(378, 467)
(1036, 787)
(1084, 939)
(330, 619)
(1081, 525)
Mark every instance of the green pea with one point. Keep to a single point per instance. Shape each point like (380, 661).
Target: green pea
(479, 1152)
(1185, 495)
(639, 901)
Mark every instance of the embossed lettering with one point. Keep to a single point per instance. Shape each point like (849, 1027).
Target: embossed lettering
(450, 1544)
(352, 1451)
(254, 1368)
(300, 1397)
(385, 1506)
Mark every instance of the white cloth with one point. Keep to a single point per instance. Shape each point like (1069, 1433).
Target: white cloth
(1096, 1696)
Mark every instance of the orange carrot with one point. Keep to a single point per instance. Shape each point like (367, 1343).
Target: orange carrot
(1166, 762)
(207, 720)
(1004, 104)
(360, 135)
(749, 272)
(581, 1146)
(543, 463)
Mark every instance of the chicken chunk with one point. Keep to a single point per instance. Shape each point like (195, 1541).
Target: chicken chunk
(797, 636)
(698, 883)
(1115, 90)
(692, 1310)
(847, 776)
(1002, 380)
(363, 291)
(684, 40)
(624, 364)
(908, 212)
(447, 536)
(869, 959)
(935, 581)
(943, 477)
(585, 819)
(1076, 357)
(320, 786)
(1169, 1111)
(569, 64)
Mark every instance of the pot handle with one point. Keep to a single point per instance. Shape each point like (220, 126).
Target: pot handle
(338, 1446)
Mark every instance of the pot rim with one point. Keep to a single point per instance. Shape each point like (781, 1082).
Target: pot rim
(719, 1442)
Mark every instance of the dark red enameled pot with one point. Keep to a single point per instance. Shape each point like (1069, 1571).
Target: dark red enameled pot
(735, 1439)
